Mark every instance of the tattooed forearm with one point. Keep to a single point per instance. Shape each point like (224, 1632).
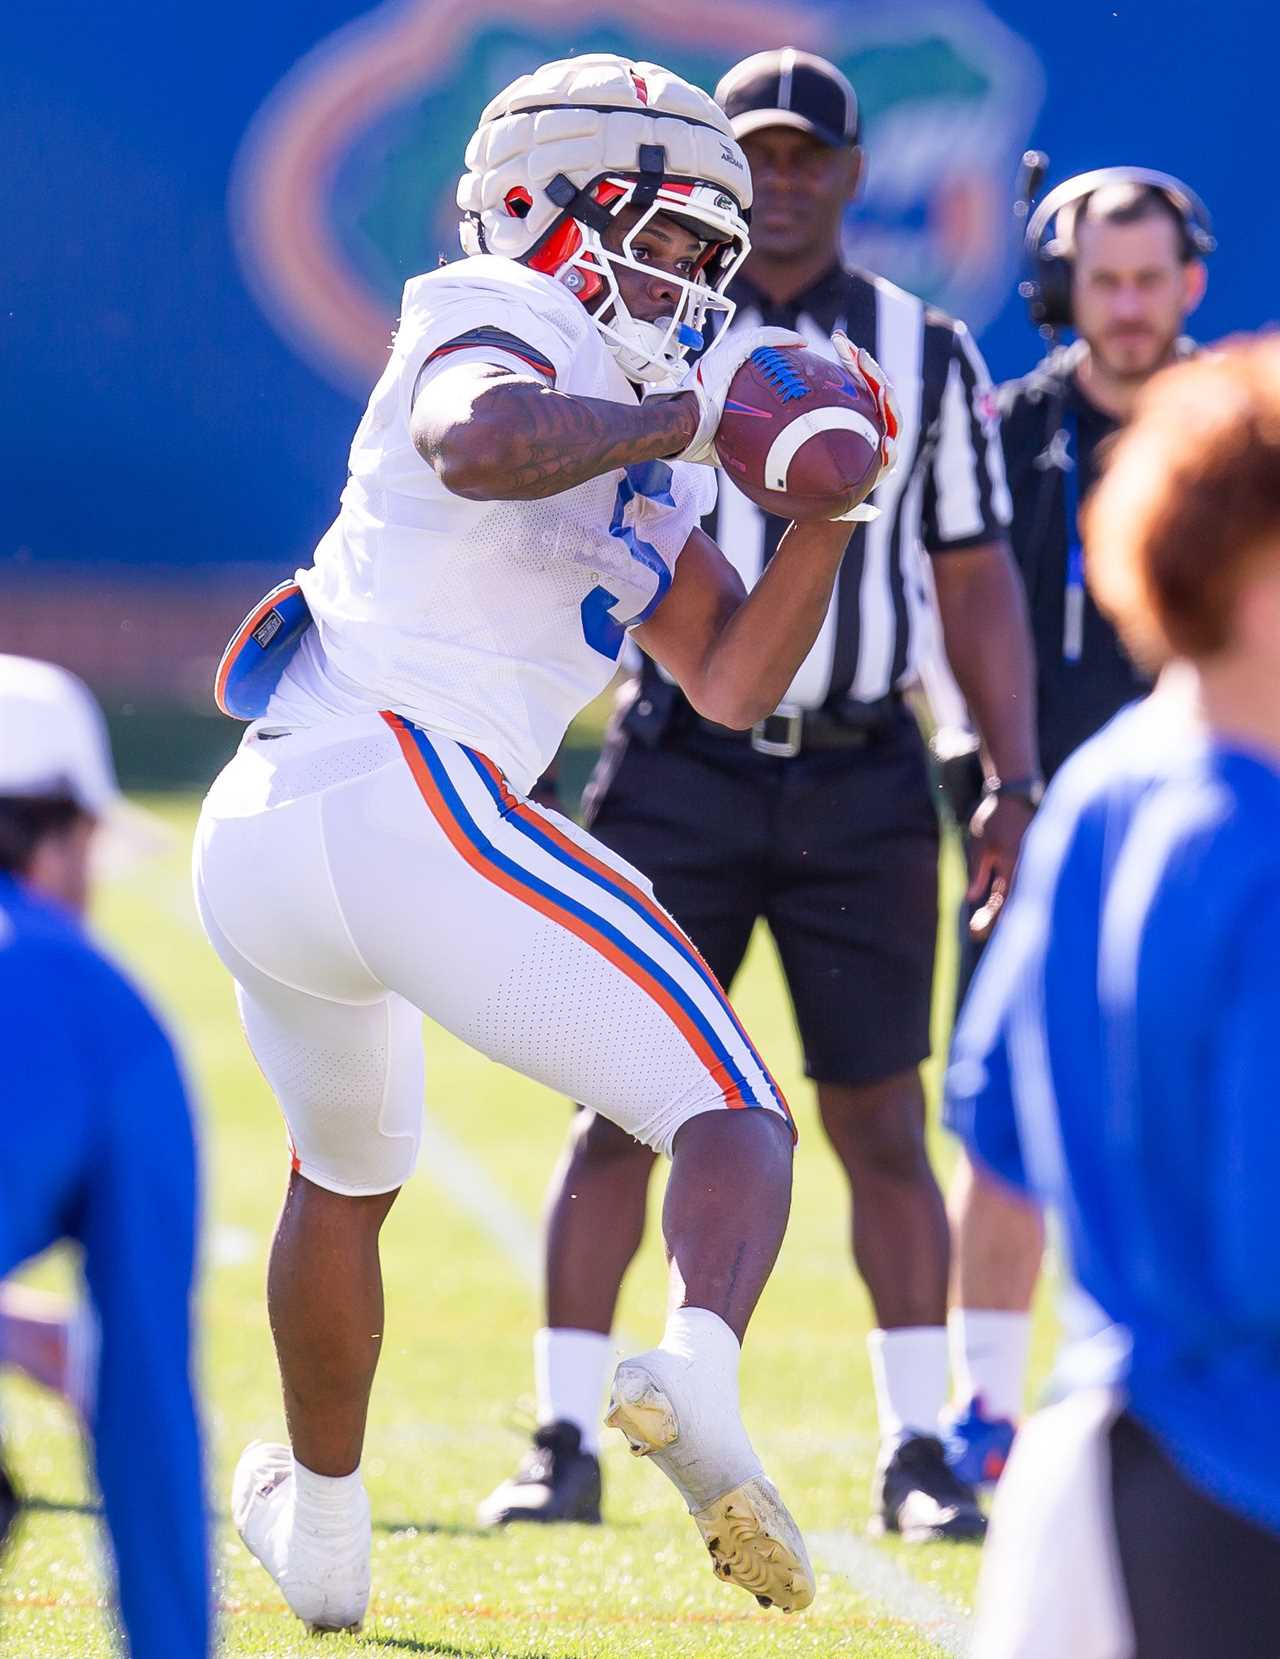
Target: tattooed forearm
(555, 441)
(521, 442)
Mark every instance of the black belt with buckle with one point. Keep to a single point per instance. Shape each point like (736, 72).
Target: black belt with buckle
(790, 731)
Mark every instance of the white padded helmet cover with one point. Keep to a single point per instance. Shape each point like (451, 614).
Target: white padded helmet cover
(584, 117)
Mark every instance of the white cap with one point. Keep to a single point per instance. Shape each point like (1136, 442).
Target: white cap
(53, 739)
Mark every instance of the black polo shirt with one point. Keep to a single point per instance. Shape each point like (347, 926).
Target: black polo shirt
(1051, 429)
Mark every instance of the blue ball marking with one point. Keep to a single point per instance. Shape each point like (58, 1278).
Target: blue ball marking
(778, 370)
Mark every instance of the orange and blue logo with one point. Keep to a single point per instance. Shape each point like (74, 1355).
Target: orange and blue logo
(343, 187)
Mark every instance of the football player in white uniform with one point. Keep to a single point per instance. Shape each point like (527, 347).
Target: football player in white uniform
(520, 495)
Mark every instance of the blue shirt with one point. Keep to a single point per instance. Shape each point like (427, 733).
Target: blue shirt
(1117, 1056)
(96, 1145)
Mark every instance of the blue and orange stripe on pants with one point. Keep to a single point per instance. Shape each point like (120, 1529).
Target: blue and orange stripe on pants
(479, 852)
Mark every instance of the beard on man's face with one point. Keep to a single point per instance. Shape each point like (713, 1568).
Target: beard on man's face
(1133, 351)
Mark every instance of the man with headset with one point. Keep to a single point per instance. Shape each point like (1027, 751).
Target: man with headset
(1123, 270)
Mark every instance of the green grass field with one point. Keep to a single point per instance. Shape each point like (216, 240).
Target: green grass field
(448, 1417)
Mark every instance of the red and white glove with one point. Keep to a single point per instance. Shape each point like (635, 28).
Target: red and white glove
(861, 365)
(711, 376)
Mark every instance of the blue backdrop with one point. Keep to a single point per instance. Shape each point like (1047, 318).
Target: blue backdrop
(205, 217)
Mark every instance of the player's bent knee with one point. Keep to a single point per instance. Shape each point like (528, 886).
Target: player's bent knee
(359, 1182)
(662, 1132)
(599, 1140)
(768, 1131)
(351, 1155)
(370, 1208)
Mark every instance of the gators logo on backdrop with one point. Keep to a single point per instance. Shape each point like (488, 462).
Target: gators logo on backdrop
(343, 187)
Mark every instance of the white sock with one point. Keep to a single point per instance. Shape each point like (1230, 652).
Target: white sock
(311, 1532)
(909, 1369)
(332, 1505)
(989, 1349)
(570, 1369)
(700, 1337)
(713, 1453)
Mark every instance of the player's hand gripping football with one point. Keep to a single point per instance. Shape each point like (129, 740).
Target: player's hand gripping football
(711, 376)
(861, 365)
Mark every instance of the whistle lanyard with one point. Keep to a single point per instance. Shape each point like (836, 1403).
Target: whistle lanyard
(1073, 596)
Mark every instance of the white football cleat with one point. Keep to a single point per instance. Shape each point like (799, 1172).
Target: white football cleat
(745, 1525)
(322, 1569)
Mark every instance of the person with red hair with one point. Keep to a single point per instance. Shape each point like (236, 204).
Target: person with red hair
(1116, 1059)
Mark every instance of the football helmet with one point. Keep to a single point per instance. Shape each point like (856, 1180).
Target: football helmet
(561, 152)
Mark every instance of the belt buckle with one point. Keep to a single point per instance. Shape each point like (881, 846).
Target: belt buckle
(779, 733)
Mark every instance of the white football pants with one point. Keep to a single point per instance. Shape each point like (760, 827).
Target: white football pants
(356, 874)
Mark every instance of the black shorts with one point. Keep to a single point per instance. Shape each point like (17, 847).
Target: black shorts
(837, 850)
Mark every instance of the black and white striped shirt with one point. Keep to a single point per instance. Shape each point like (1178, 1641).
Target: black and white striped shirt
(948, 493)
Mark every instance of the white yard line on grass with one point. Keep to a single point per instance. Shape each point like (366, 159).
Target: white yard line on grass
(465, 1181)
(894, 1589)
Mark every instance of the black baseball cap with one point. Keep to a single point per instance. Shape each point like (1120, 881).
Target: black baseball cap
(790, 88)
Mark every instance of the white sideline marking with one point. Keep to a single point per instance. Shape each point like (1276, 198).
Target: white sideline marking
(894, 1589)
(467, 1183)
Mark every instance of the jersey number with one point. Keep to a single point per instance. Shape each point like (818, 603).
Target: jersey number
(603, 631)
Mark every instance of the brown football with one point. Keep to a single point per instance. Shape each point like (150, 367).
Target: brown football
(799, 435)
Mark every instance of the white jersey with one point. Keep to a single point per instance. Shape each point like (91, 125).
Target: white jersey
(489, 622)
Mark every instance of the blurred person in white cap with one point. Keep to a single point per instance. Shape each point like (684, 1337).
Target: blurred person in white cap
(57, 783)
(57, 778)
(96, 1147)
(57, 787)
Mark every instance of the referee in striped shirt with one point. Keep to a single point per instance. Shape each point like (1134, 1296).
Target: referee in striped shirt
(821, 820)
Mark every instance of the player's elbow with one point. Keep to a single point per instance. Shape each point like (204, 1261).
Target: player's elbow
(737, 707)
(471, 458)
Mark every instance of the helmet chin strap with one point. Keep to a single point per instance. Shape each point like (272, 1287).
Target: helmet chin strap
(640, 351)
(645, 353)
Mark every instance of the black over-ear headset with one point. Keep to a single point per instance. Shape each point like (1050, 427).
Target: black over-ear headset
(1047, 290)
